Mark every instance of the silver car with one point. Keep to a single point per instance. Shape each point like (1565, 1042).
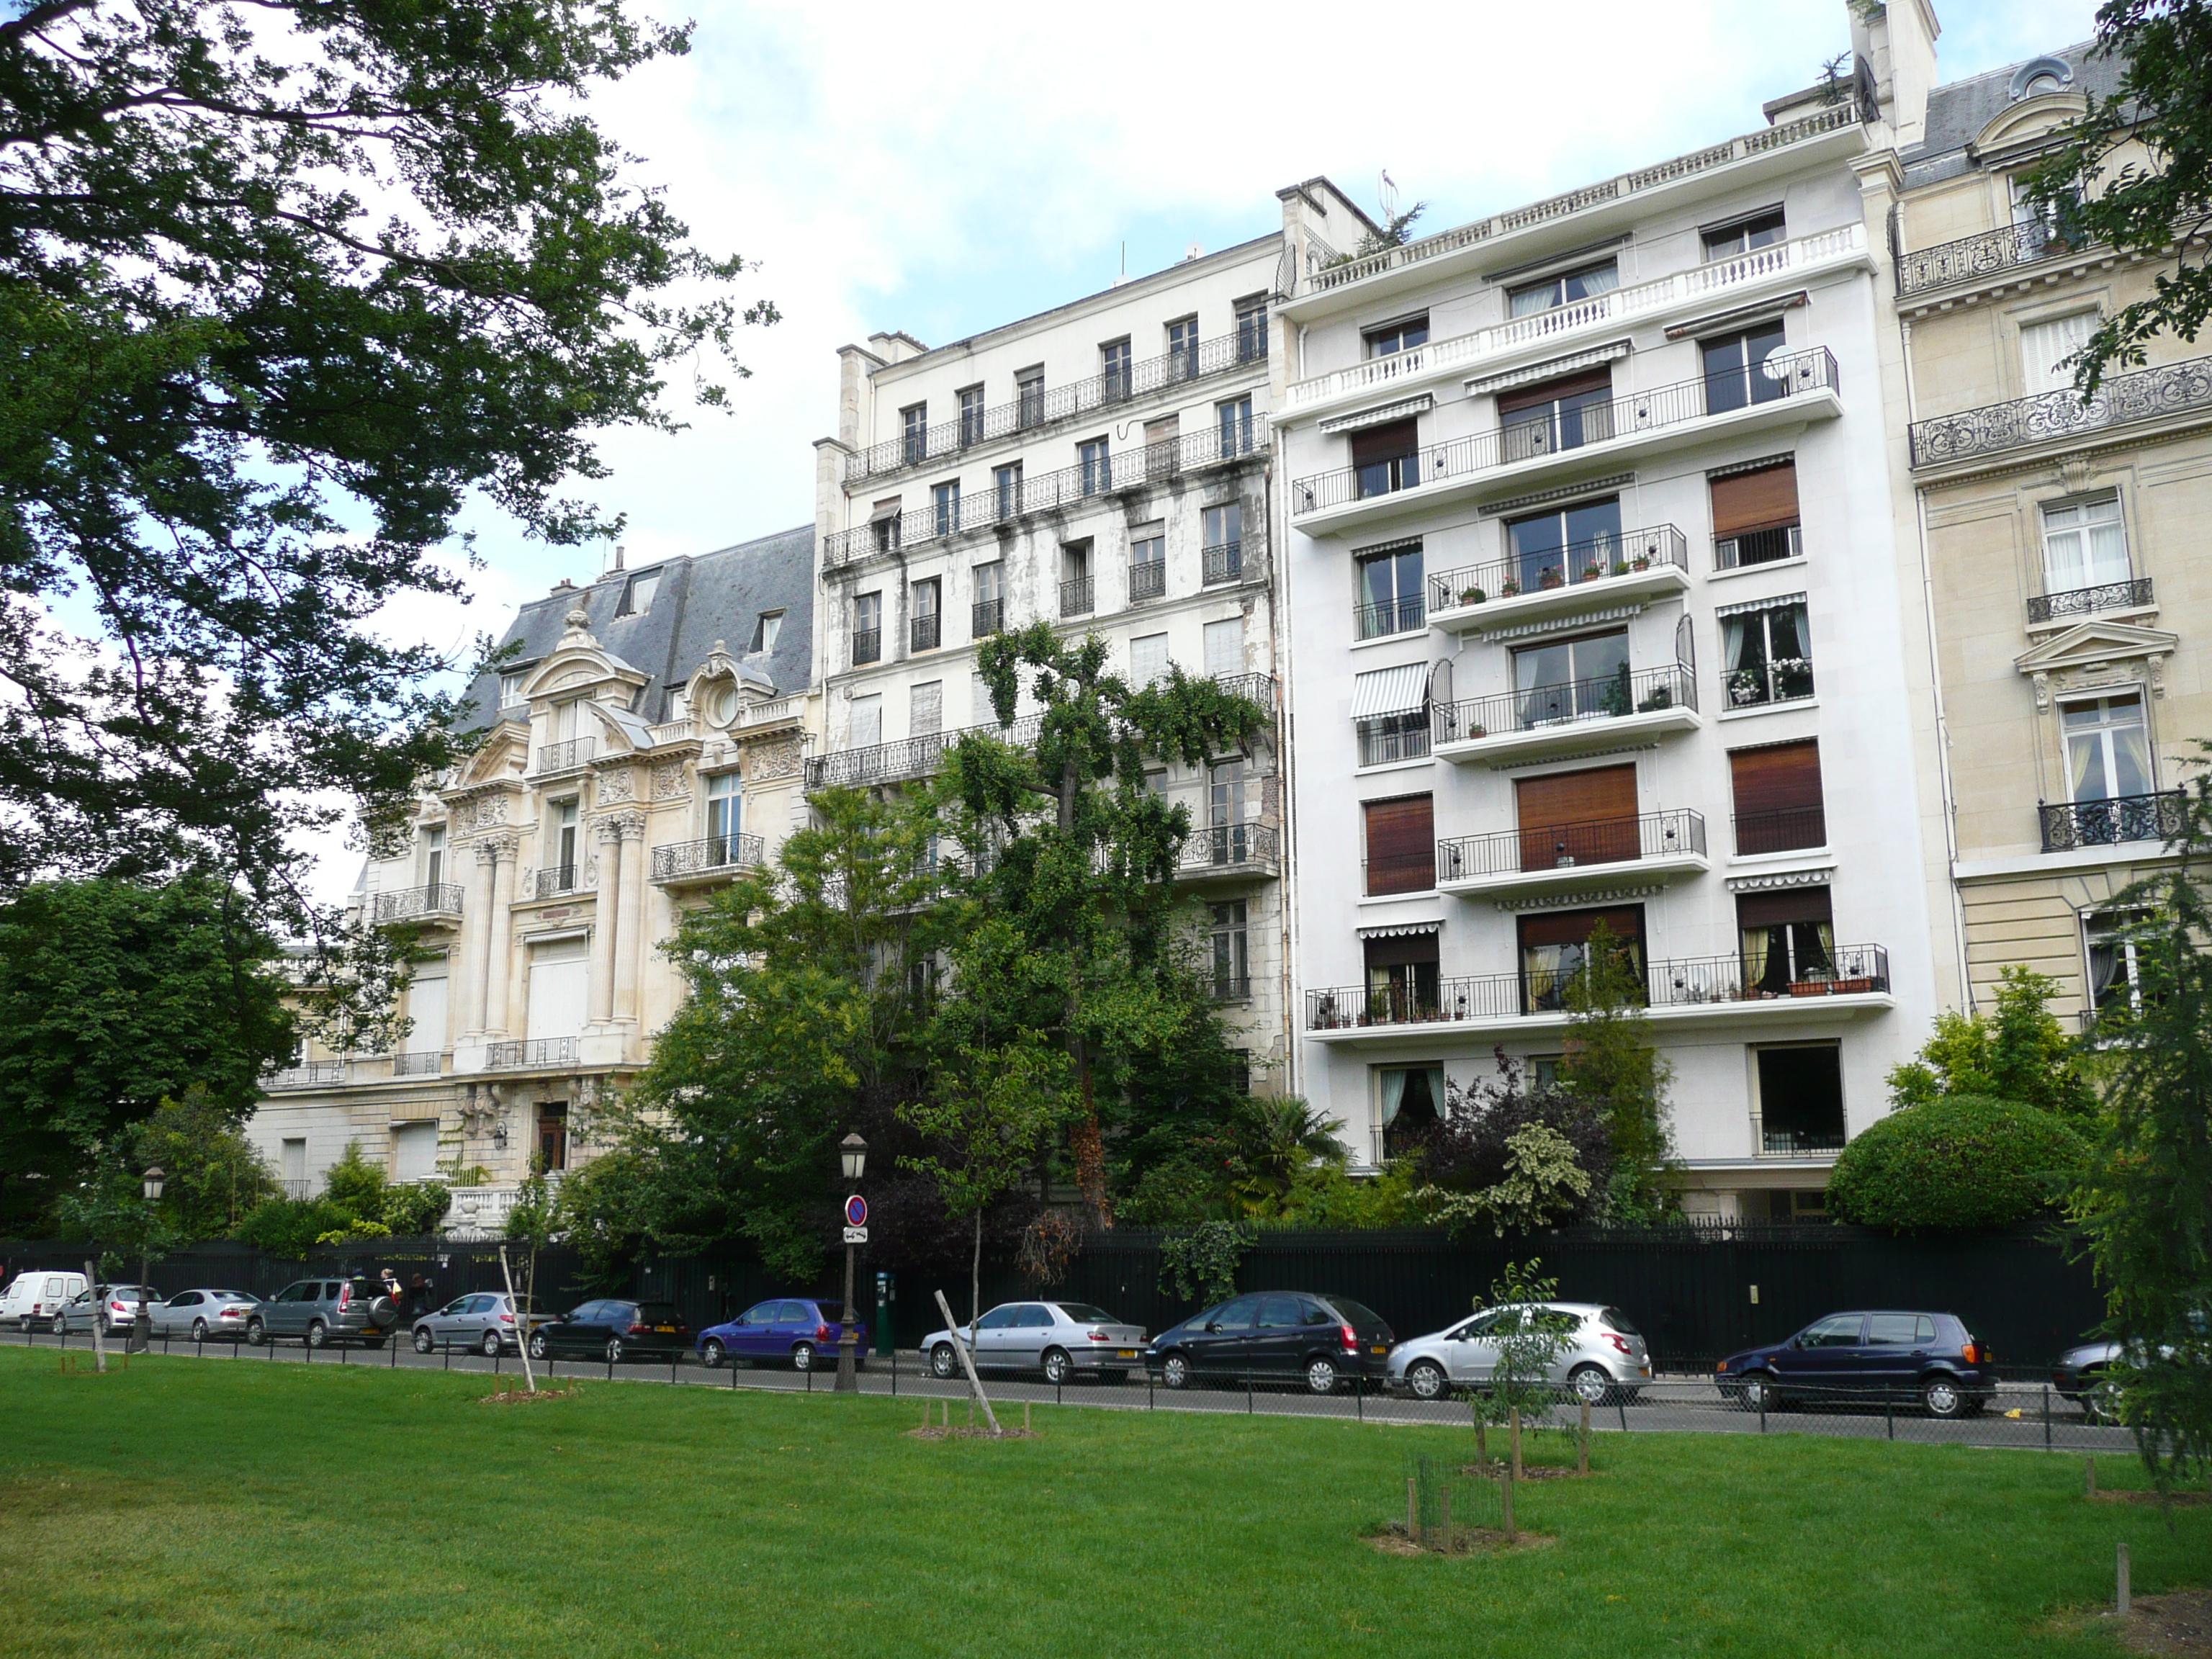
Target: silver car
(484, 1320)
(1604, 1355)
(1057, 1338)
(117, 1307)
(203, 1316)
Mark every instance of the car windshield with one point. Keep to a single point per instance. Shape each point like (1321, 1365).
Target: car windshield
(658, 1313)
(1353, 1312)
(1083, 1314)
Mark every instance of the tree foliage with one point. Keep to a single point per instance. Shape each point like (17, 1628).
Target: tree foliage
(2019, 1051)
(1958, 1164)
(1612, 1064)
(1512, 1154)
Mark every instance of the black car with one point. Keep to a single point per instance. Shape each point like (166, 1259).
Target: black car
(613, 1330)
(1869, 1357)
(1289, 1334)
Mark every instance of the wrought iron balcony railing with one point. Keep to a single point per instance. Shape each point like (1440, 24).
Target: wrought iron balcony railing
(1252, 687)
(1686, 982)
(1231, 847)
(1077, 596)
(1095, 480)
(922, 632)
(530, 1052)
(1784, 1143)
(426, 1064)
(905, 759)
(1780, 829)
(1621, 554)
(867, 646)
(1224, 562)
(1148, 579)
(1983, 254)
(561, 878)
(441, 899)
(1034, 409)
(2085, 601)
(1570, 846)
(986, 618)
(2121, 400)
(1758, 547)
(1230, 987)
(1631, 415)
(706, 856)
(1403, 615)
(1388, 738)
(561, 756)
(2070, 826)
(1608, 696)
(314, 1074)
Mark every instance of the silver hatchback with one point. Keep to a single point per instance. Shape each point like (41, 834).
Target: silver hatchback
(1604, 1355)
(485, 1320)
(1057, 1338)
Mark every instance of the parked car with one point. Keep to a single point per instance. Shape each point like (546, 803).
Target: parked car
(203, 1316)
(1322, 1339)
(1057, 1338)
(487, 1321)
(614, 1329)
(1872, 1356)
(115, 1305)
(320, 1310)
(33, 1297)
(2082, 1375)
(1603, 1356)
(801, 1332)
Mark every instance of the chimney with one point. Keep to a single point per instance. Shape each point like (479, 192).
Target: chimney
(1896, 43)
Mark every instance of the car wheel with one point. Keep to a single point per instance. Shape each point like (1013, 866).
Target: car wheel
(199, 1330)
(491, 1345)
(710, 1354)
(423, 1340)
(1058, 1367)
(1591, 1384)
(802, 1357)
(1322, 1375)
(256, 1331)
(537, 1346)
(1427, 1379)
(317, 1335)
(943, 1362)
(1175, 1371)
(1758, 1394)
(614, 1351)
(1942, 1396)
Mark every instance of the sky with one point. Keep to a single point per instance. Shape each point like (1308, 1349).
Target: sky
(944, 170)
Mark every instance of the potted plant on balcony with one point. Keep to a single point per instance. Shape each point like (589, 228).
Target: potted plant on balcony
(1641, 562)
(1660, 696)
(1553, 577)
(1509, 588)
(1620, 566)
(1591, 573)
(1745, 685)
(1472, 596)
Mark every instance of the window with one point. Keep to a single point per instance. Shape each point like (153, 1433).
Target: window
(971, 400)
(767, 628)
(989, 614)
(866, 730)
(1562, 414)
(1394, 338)
(560, 978)
(2107, 750)
(426, 1006)
(924, 614)
(1894, 1330)
(1228, 810)
(883, 521)
(1029, 396)
(1234, 419)
(1739, 371)
(2037, 226)
(1224, 647)
(1408, 1098)
(1564, 290)
(2045, 348)
(926, 710)
(1766, 654)
(914, 432)
(1077, 593)
(1555, 948)
(1387, 458)
(1232, 979)
(1401, 845)
(1762, 229)
(1552, 549)
(1789, 938)
(293, 1161)
(1182, 348)
(1390, 714)
(1778, 804)
(1167, 429)
(1114, 358)
(1223, 529)
(1392, 596)
(414, 1152)
(1583, 678)
(1251, 329)
(1148, 658)
(2085, 545)
(1403, 981)
(637, 594)
(1755, 516)
(433, 856)
(1097, 468)
(868, 628)
(1006, 486)
(552, 1135)
(1577, 817)
(1800, 1103)
(944, 498)
(561, 846)
(724, 815)
(1148, 563)
(510, 687)
(2115, 975)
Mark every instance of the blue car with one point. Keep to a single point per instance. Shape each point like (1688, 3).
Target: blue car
(801, 1332)
(1854, 1357)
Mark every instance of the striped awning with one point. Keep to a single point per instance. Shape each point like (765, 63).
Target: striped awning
(1401, 690)
(1774, 604)
(1401, 930)
(1550, 368)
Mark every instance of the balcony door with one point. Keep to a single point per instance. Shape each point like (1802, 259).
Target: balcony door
(1562, 414)
(1573, 679)
(1789, 939)
(1736, 369)
(1555, 951)
(2107, 750)
(1392, 599)
(1403, 980)
(2084, 545)
(1228, 810)
(1577, 817)
(1552, 549)
(1387, 459)
(724, 809)
(425, 1008)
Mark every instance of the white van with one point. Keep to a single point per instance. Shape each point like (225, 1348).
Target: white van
(34, 1298)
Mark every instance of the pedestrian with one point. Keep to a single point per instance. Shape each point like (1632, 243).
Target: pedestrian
(419, 1295)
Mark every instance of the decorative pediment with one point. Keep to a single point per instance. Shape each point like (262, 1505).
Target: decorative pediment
(2088, 644)
(2023, 125)
(504, 752)
(579, 662)
(721, 690)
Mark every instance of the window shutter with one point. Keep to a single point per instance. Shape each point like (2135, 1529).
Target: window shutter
(1790, 904)
(928, 714)
(1583, 817)
(1401, 845)
(1548, 391)
(1575, 926)
(1779, 778)
(1148, 658)
(1400, 949)
(1225, 646)
(1764, 499)
(867, 729)
(1378, 444)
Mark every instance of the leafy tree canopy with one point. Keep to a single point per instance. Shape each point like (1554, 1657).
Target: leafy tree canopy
(1613, 1064)
(1958, 1163)
(2019, 1051)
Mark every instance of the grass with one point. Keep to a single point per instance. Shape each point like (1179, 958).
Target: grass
(197, 1507)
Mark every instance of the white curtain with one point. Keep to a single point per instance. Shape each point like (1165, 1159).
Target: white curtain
(867, 729)
(2044, 346)
(1393, 1094)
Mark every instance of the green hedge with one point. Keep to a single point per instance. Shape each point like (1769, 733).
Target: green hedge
(1958, 1163)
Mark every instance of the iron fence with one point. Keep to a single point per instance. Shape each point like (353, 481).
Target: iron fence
(1751, 547)
(308, 1075)
(1076, 596)
(1982, 254)
(1605, 696)
(1237, 848)
(561, 878)
(563, 756)
(530, 1052)
(1224, 562)
(867, 646)
(426, 1064)
(986, 617)
(1619, 553)
(1148, 579)
(922, 632)
(1406, 614)
(709, 854)
(1570, 846)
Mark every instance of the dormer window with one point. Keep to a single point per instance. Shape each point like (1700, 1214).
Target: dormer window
(510, 687)
(637, 594)
(766, 627)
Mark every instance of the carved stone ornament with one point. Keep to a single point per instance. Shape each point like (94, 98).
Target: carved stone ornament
(630, 825)
(668, 780)
(769, 761)
(610, 829)
(617, 784)
(493, 848)
(2042, 683)
(2074, 472)
(476, 812)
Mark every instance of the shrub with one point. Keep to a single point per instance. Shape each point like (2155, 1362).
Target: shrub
(1956, 1164)
(415, 1209)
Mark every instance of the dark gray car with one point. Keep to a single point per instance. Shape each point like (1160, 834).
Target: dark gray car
(351, 1308)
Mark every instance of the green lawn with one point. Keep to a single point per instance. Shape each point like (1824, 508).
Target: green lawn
(197, 1507)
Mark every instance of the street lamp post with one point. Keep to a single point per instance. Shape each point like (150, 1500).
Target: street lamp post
(142, 1328)
(852, 1154)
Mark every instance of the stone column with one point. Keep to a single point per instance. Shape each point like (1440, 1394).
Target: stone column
(611, 893)
(630, 916)
(503, 848)
(469, 980)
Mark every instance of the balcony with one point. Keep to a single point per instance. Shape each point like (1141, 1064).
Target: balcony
(1097, 482)
(906, 759)
(986, 617)
(1389, 738)
(426, 1064)
(566, 756)
(1252, 687)
(1034, 410)
(1223, 562)
(1384, 617)
(1687, 991)
(554, 882)
(2076, 826)
(1636, 564)
(1077, 596)
(1570, 718)
(313, 1074)
(922, 632)
(1229, 987)
(1753, 547)
(1783, 679)
(867, 647)
(2056, 417)
(440, 902)
(2055, 610)
(530, 1054)
(1972, 258)
(1782, 390)
(1561, 859)
(1781, 829)
(1699, 289)
(1147, 580)
(1230, 852)
(715, 858)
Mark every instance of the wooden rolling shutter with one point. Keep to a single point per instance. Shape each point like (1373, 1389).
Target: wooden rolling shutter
(1378, 444)
(1400, 950)
(1764, 499)
(1575, 926)
(1585, 818)
(1778, 804)
(1401, 845)
(1790, 904)
(1548, 391)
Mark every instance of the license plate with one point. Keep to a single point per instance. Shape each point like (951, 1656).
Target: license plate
(666, 1330)
(1379, 1348)
(1125, 1353)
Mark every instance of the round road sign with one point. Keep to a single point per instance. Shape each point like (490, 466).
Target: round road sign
(856, 1211)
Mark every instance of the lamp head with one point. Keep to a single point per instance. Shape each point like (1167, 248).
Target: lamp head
(852, 1152)
(153, 1183)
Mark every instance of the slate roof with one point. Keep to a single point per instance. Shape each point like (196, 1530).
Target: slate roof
(701, 597)
(1958, 111)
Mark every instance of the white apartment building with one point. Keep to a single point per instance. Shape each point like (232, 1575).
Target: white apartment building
(1105, 467)
(1596, 618)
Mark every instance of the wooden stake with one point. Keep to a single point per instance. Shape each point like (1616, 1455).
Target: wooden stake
(1517, 1442)
(1025, 1417)
(2091, 1470)
(2126, 1600)
(98, 1319)
(521, 1323)
(1581, 1443)
(967, 1365)
(1505, 1496)
(1413, 1509)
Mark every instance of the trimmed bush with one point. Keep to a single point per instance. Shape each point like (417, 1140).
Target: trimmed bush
(1955, 1164)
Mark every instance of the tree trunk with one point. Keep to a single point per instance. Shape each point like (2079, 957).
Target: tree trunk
(1089, 1145)
(98, 1309)
(975, 1281)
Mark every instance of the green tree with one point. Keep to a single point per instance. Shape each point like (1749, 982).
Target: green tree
(2134, 172)
(1955, 1164)
(1612, 1064)
(114, 997)
(214, 1177)
(289, 284)
(2019, 1052)
(1544, 1183)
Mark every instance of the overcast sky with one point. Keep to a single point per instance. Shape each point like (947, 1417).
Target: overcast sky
(943, 170)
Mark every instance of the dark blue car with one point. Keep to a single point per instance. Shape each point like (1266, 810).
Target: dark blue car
(1871, 1357)
(797, 1331)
